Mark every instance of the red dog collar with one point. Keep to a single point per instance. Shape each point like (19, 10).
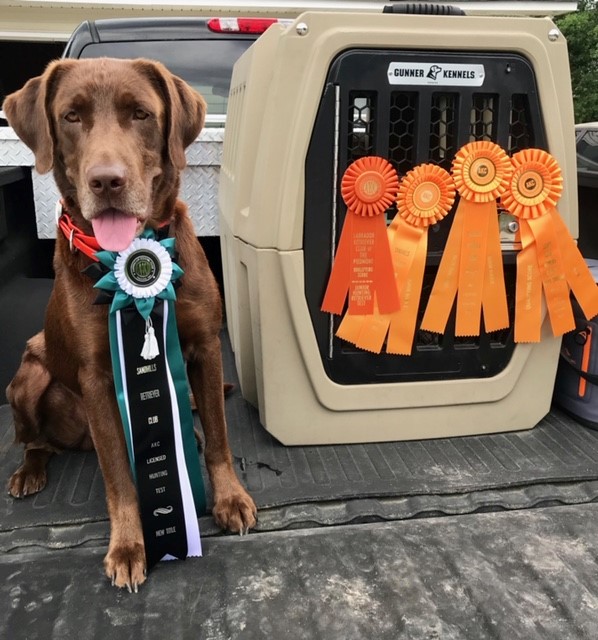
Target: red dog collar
(88, 245)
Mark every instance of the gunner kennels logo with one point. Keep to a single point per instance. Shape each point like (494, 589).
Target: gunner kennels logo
(436, 73)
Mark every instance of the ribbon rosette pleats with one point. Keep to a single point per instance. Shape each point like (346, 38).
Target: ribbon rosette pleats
(140, 274)
(362, 266)
(426, 194)
(549, 259)
(471, 266)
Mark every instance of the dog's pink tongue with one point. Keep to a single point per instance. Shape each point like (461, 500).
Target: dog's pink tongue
(114, 230)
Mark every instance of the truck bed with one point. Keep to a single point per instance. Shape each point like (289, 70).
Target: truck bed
(477, 537)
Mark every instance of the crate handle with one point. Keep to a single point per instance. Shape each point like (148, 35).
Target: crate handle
(424, 8)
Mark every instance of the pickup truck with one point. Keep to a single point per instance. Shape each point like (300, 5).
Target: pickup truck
(478, 537)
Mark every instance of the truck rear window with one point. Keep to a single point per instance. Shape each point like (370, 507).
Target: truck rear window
(205, 64)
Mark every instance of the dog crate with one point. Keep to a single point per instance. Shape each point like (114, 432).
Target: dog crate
(308, 100)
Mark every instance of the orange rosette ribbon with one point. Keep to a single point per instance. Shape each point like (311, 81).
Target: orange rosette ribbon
(362, 265)
(549, 259)
(471, 267)
(426, 195)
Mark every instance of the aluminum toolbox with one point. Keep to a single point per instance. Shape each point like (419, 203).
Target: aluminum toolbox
(305, 102)
(199, 183)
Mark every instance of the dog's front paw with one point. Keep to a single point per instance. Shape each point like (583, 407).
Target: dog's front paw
(236, 512)
(125, 566)
(26, 481)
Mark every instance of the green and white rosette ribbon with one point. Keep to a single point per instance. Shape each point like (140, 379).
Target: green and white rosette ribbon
(140, 274)
(142, 277)
(152, 393)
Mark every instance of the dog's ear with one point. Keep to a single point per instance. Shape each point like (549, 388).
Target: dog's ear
(188, 114)
(27, 113)
(185, 111)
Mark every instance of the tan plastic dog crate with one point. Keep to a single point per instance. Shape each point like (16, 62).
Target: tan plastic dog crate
(305, 102)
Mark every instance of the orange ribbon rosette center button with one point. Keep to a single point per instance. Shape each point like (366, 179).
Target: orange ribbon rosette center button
(370, 186)
(529, 185)
(482, 172)
(426, 196)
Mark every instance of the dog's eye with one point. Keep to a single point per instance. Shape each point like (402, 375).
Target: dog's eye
(72, 116)
(140, 114)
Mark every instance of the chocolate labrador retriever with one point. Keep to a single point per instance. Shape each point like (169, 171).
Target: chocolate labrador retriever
(115, 133)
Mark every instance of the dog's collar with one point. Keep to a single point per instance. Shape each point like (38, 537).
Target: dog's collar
(78, 240)
(88, 245)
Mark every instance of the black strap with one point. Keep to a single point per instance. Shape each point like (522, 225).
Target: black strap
(590, 377)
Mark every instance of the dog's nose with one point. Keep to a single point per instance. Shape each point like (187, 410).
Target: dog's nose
(106, 179)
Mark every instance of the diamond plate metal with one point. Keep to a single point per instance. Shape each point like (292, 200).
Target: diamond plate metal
(13, 153)
(45, 197)
(199, 190)
(199, 181)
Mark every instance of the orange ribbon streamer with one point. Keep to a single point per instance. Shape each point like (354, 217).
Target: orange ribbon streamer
(549, 259)
(471, 267)
(363, 266)
(426, 195)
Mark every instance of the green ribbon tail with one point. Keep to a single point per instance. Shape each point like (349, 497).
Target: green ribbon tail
(119, 387)
(176, 364)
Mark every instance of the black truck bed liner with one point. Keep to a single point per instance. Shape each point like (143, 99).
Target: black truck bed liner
(528, 575)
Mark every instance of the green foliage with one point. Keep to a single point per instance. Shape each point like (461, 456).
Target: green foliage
(581, 31)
